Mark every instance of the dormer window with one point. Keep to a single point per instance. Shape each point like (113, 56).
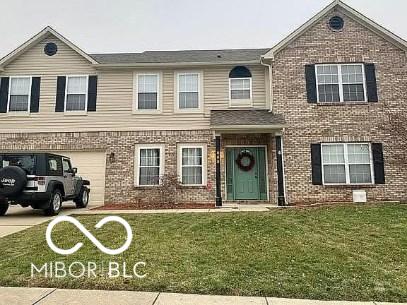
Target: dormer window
(240, 87)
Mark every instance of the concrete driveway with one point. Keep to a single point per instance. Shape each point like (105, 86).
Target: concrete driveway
(18, 218)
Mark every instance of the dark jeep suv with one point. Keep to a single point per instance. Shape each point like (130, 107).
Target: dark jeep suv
(40, 180)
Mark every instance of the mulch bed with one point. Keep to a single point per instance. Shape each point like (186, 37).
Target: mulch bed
(140, 206)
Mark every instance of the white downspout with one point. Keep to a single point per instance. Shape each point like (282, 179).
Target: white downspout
(271, 95)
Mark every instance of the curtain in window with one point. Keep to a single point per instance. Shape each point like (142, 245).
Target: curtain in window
(76, 93)
(192, 166)
(19, 94)
(147, 91)
(149, 168)
(188, 91)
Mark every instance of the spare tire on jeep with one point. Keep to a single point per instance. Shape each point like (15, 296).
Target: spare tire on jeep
(13, 179)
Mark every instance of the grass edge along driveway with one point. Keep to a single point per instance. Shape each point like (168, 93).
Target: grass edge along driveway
(343, 252)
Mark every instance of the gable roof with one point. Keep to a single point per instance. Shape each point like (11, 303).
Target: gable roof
(35, 39)
(349, 12)
(185, 56)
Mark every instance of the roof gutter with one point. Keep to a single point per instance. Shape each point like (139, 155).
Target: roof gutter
(174, 64)
(271, 95)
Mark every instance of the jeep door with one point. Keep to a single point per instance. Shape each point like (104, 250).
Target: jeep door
(68, 177)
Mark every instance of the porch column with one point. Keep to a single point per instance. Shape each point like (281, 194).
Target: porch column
(218, 176)
(280, 171)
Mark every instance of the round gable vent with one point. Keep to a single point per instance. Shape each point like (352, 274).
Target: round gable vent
(336, 23)
(50, 49)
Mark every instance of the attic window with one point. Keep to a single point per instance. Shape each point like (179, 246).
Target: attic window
(50, 49)
(240, 72)
(336, 23)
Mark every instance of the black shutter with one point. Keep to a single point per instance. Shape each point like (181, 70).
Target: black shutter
(316, 164)
(311, 83)
(35, 94)
(4, 94)
(92, 92)
(378, 163)
(60, 99)
(371, 85)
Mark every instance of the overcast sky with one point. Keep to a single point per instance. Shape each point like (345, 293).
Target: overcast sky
(139, 25)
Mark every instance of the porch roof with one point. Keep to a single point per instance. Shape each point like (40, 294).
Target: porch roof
(250, 120)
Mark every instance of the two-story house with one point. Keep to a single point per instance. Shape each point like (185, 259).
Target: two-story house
(301, 122)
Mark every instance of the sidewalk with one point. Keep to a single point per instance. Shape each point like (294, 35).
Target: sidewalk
(51, 296)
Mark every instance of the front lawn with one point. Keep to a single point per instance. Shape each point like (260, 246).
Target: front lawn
(340, 252)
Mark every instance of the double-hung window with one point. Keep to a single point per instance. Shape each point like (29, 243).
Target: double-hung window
(188, 90)
(347, 163)
(149, 164)
(76, 93)
(19, 94)
(192, 164)
(341, 83)
(147, 91)
(240, 88)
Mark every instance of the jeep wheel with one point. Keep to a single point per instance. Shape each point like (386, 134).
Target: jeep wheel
(83, 198)
(3, 208)
(55, 204)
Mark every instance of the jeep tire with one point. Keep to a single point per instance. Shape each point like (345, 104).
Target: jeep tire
(13, 179)
(83, 198)
(55, 203)
(3, 207)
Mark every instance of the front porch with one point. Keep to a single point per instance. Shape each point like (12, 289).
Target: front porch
(249, 158)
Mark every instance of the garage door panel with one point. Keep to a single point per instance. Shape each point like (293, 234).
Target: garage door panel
(91, 166)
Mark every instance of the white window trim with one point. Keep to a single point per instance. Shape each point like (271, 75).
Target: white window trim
(17, 113)
(138, 147)
(346, 163)
(241, 102)
(340, 83)
(204, 162)
(200, 92)
(76, 112)
(135, 92)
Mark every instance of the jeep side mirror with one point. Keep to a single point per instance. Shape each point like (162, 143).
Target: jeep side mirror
(74, 170)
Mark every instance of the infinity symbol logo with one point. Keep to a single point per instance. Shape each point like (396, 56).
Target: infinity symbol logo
(89, 235)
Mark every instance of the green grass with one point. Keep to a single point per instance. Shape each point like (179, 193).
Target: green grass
(337, 252)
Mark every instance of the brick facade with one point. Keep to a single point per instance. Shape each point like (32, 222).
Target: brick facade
(312, 123)
(119, 184)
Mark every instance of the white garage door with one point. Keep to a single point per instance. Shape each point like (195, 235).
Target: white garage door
(91, 166)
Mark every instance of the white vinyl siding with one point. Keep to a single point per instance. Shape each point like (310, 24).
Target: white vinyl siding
(341, 83)
(347, 163)
(189, 91)
(149, 160)
(19, 94)
(76, 96)
(192, 164)
(147, 91)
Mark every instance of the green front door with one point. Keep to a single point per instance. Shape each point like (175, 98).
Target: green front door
(246, 173)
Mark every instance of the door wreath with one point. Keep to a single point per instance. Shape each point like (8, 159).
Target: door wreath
(242, 155)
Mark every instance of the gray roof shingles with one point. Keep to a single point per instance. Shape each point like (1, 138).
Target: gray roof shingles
(245, 117)
(191, 56)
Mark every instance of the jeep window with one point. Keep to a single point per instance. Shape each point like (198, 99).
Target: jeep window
(66, 166)
(54, 166)
(26, 162)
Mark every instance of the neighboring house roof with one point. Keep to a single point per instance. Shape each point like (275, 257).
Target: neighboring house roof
(349, 12)
(241, 118)
(37, 38)
(187, 56)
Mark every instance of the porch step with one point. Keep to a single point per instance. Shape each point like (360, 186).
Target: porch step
(248, 202)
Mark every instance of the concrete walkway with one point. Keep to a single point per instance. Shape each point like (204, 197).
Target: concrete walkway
(224, 209)
(51, 296)
(18, 218)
